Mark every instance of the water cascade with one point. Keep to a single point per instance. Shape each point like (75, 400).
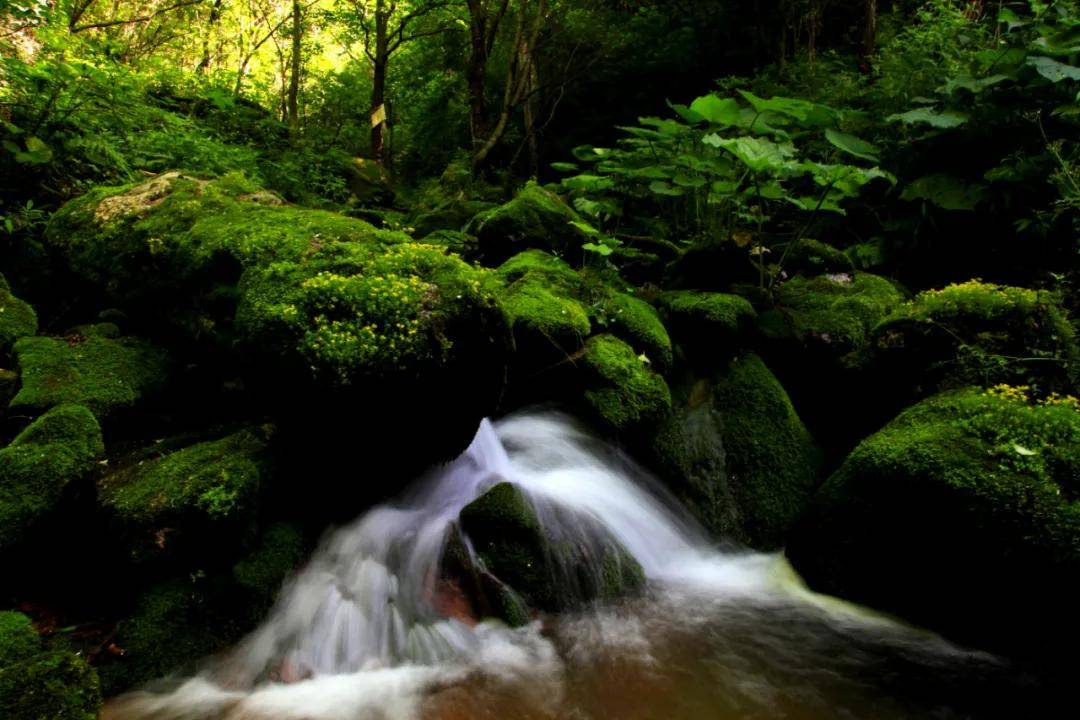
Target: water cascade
(365, 630)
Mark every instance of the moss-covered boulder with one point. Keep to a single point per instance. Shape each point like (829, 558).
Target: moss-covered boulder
(830, 315)
(551, 568)
(810, 258)
(328, 311)
(259, 575)
(9, 385)
(177, 501)
(963, 514)
(979, 333)
(17, 318)
(39, 683)
(535, 218)
(748, 464)
(639, 324)
(709, 326)
(104, 374)
(623, 391)
(41, 463)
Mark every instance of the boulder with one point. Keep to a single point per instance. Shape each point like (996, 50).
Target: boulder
(962, 514)
(37, 682)
(165, 502)
(810, 258)
(17, 318)
(104, 374)
(708, 326)
(535, 218)
(39, 465)
(978, 333)
(623, 392)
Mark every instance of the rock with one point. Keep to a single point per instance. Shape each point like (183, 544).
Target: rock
(624, 393)
(535, 218)
(456, 241)
(328, 312)
(17, 318)
(638, 323)
(369, 182)
(709, 326)
(37, 682)
(179, 501)
(978, 333)
(106, 375)
(961, 515)
(810, 258)
(9, 385)
(551, 572)
(259, 576)
(40, 463)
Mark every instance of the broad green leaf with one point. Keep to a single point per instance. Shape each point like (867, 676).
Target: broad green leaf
(686, 113)
(564, 166)
(944, 119)
(806, 112)
(660, 187)
(601, 250)
(971, 84)
(1010, 19)
(716, 110)
(945, 191)
(588, 183)
(756, 153)
(585, 228)
(688, 181)
(852, 145)
(1053, 70)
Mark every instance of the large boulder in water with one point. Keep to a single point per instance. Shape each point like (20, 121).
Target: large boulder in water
(37, 682)
(962, 514)
(553, 566)
(41, 463)
(329, 312)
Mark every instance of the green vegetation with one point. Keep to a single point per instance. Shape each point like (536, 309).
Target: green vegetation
(625, 393)
(17, 319)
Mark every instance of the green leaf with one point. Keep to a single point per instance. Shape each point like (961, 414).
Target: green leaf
(852, 145)
(660, 187)
(971, 84)
(1011, 20)
(1053, 70)
(944, 119)
(806, 112)
(718, 111)
(601, 250)
(756, 153)
(686, 113)
(688, 181)
(945, 191)
(564, 166)
(585, 228)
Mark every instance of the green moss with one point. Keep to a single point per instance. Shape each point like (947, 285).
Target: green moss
(455, 241)
(18, 638)
(506, 534)
(811, 257)
(260, 574)
(637, 322)
(960, 512)
(624, 392)
(708, 324)
(620, 573)
(103, 374)
(771, 461)
(50, 685)
(17, 319)
(977, 332)
(834, 315)
(539, 294)
(535, 218)
(55, 450)
(188, 495)
(9, 385)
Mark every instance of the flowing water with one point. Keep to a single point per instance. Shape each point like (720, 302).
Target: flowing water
(365, 632)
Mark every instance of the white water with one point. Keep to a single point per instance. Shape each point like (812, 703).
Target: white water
(358, 634)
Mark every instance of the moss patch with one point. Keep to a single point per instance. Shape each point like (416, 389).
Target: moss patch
(17, 318)
(260, 575)
(772, 465)
(535, 218)
(624, 392)
(57, 449)
(638, 323)
(538, 292)
(977, 332)
(194, 494)
(18, 638)
(103, 374)
(709, 325)
(811, 257)
(961, 514)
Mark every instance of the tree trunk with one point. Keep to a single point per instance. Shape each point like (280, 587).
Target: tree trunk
(211, 25)
(869, 35)
(476, 73)
(378, 82)
(292, 103)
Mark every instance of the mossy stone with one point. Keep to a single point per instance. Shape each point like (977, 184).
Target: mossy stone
(259, 575)
(981, 333)
(40, 463)
(809, 257)
(9, 385)
(18, 638)
(106, 375)
(639, 324)
(962, 514)
(17, 319)
(195, 496)
(710, 326)
(535, 218)
(623, 391)
(539, 294)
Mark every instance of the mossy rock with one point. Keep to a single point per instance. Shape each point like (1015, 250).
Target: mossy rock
(259, 576)
(328, 311)
(38, 683)
(810, 258)
(539, 294)
(9, 385)
(199, 496)
(979, 333)
(456, 241)
(772, 465)
(535, 218)
(551, 573)
(623, 391)
(17, 318)
(39, 465)
(174, 625)
(962, 514)
(104, 374)
(710, 326)
(830, 315)
(639, 324)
